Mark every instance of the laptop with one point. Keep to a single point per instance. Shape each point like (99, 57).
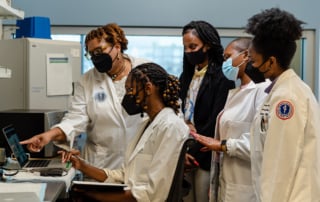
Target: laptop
(23, 160)
(19, 196)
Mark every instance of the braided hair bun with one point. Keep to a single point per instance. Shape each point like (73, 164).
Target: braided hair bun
(275, 24)
(275, 33)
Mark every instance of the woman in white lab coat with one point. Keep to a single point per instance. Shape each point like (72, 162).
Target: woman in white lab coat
(285, 144)
(96, 105)
(231, 168)
(152, 156)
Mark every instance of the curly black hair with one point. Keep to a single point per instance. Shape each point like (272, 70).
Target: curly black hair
(275, 32)
(168, 85)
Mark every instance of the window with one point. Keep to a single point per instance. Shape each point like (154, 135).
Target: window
(167, 51)
(164, 46)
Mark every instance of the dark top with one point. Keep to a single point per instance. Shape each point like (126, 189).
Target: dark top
(210, 101)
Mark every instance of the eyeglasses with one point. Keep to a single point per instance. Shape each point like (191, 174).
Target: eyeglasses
(129, 91)
(96, 52)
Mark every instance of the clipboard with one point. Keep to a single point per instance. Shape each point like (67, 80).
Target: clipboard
(98, 186)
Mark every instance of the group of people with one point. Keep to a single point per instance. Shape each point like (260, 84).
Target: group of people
(256, 141)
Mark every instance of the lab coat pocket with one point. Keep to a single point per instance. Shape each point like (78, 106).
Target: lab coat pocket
(142, 163)
(236, 128)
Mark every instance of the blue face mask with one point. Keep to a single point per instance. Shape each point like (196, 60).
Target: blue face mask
(229, 71)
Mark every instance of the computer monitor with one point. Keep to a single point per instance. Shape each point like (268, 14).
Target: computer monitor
(29, 123)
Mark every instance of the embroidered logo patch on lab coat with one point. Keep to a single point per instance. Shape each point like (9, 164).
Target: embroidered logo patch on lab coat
(100, 96)
(284, 110)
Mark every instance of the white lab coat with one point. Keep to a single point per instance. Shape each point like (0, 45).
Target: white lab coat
(285, 143)
(152, 157)
(96, 110)
(233, 124)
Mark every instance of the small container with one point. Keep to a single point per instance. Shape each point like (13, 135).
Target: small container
(34, 27)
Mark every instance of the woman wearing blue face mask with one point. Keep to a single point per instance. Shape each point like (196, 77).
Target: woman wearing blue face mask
(230, 71)
(230, 169)
(204, 90)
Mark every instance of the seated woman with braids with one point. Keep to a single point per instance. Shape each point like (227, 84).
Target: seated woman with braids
(152, 156)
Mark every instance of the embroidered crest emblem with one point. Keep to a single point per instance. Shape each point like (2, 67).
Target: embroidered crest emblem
(284, 110)
(100, 96)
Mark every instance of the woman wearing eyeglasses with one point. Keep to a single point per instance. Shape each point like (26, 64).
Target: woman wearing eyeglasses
(96, 105)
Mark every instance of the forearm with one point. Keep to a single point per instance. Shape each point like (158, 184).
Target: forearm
(56, 134)
(191, 126)
(93, 172)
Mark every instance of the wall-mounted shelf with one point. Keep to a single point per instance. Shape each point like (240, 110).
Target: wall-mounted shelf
(7, 12)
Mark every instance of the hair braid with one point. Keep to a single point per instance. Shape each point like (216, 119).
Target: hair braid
(168, 85)
(171, 93)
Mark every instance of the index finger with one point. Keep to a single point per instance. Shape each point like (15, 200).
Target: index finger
(28, 141)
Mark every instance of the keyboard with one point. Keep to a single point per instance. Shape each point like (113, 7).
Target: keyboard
(38, 163)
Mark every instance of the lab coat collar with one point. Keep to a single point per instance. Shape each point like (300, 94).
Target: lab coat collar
(281, 78)
(144, 133)
(234, 91)
(100, 76)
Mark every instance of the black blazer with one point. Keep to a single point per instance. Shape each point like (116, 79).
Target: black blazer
(210, 101)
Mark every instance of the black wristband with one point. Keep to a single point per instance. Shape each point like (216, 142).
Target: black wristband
(224, 145)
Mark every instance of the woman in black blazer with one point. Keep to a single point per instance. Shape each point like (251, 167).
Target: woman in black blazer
(204, 90)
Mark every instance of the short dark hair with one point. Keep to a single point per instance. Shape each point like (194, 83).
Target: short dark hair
(275, 32)
(241, 43)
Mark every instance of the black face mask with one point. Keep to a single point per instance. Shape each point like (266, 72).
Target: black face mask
(102, 62)
(130, 105)
(196, 57)
(254, 73)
